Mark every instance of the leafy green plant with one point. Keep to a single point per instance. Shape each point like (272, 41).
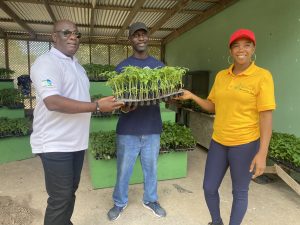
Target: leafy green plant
(145, 83)
(173, 138)
(285, 147)
(103, 144)
(6, 73)
(14, 127)
(97, 72)
(176, 137)
(11, 98)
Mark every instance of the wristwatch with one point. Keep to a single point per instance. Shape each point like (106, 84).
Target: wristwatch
(97, 107)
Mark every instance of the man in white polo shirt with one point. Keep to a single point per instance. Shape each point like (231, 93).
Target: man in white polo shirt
(62, 119)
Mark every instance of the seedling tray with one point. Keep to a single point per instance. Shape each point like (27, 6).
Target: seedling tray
(150, 101)
(106, 114)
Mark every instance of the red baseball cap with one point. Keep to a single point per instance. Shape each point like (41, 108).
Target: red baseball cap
(242, 33)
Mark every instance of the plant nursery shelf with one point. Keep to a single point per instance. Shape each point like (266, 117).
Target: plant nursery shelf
(276, 169)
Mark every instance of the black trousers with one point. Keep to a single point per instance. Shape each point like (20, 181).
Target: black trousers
(62, 176)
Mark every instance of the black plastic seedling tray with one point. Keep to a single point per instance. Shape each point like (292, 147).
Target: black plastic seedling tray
(150, 101)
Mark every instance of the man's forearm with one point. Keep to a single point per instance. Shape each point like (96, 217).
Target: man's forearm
(66, 105)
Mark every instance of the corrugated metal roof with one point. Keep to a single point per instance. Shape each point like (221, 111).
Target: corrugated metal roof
(4, 15)
(42, 28)
(160, 34)
(178, 20)
(109, 16)
(105, 32)
(29, 11)
(202, 6)
(122, 3)
(149, 18)
(159, 4)
(78, 15)
(11, 27)
(84, 30)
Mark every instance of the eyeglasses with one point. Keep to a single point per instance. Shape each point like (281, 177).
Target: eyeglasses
(68, 33)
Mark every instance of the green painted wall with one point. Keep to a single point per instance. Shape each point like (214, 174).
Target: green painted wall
(277, 28)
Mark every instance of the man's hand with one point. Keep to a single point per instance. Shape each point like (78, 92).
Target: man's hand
(259, 163)
(109, 104)
(126, 109)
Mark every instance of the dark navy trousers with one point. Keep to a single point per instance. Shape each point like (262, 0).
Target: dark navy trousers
(62, 175)
(238, 159)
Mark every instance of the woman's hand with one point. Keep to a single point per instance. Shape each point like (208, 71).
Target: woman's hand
(186, 95)
(259, 164)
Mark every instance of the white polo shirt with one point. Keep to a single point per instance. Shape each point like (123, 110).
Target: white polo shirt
(56, 74)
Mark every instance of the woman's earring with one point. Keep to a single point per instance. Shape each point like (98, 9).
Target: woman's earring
(253, 57)
(229, 60)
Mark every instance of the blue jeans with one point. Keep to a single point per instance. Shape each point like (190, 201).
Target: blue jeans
(237, 159)
(128, 149)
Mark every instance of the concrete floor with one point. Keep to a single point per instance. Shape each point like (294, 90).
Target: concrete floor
(269, 204)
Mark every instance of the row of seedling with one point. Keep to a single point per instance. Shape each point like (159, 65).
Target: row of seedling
(136, 84)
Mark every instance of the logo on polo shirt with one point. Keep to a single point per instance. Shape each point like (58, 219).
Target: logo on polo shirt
(47, 83)
(244, 88)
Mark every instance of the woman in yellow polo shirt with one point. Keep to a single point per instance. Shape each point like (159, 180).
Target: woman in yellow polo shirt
(242, 98)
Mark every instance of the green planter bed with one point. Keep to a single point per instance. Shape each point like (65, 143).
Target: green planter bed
(14, 148)
(103, 123)
(11, 113)
(103, 173)
(7, 83)
(99, 87)
(167, 115)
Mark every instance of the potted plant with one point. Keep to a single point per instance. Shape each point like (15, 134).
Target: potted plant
(6, 80)
(176, 140)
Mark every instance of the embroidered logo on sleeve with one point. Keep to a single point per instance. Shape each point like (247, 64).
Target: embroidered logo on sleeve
(47, 83)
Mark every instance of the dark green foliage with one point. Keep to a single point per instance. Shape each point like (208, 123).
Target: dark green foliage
(14, 127)
(285, 147)
(97, 71)
(190, 104)
(173, 138)
(11, 98)
(103, 144)
(6, 73)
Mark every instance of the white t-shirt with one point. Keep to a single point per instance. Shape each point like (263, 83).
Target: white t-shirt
(56, 74)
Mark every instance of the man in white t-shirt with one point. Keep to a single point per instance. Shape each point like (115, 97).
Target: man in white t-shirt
(62, 120)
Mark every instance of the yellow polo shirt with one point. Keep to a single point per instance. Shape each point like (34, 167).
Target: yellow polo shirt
(238, 100)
